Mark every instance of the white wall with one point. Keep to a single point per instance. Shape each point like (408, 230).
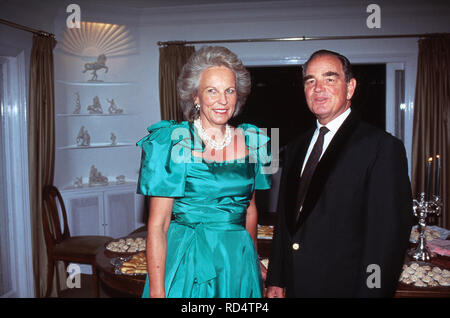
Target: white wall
(226, 21)
(300, 18)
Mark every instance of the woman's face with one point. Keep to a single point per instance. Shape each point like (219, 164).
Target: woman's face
(217, 96)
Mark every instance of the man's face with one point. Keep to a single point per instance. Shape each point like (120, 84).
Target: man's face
(327, 93)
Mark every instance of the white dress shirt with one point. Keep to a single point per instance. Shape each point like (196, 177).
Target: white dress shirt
(333, 126)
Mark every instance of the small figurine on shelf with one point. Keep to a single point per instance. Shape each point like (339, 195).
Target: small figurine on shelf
(83, 138)
(78, 182)
(113, 139)
(96, 108)
(113, 109)
(77, 104)
(96, 178)
(87, 138)
(120, 179)
(95, 66)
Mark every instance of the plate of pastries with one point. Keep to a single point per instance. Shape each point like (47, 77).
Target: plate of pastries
(133, 265)
(127, 245)
(424, 275)
(430, 234)
(265, 232)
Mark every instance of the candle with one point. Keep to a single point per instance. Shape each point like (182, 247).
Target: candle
(438, 174)
(427, 189)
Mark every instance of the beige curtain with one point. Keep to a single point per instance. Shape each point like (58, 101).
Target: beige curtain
(41, 146)
(171, 60)
(431, 133)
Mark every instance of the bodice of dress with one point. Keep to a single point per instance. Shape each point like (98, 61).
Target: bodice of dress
(169, 169)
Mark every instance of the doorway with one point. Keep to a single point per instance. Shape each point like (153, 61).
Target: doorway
(5, 264)
(16, 270)
(277, 99)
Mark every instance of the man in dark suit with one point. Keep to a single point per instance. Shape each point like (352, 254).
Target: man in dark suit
(345, 208)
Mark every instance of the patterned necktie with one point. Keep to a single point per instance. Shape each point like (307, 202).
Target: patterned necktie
(311, 165)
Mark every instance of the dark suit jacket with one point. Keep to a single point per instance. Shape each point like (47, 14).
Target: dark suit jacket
(357, 212)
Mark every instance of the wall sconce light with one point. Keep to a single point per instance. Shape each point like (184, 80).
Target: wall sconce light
(94, 38)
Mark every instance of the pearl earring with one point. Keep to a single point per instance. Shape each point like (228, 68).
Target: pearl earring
(197, 106)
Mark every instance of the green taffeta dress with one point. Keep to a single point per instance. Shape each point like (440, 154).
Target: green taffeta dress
(209, 251)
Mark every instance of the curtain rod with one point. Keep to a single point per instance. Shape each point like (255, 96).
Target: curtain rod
(22, 27)
(303, 38)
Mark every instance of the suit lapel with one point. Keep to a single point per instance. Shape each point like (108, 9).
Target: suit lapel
(326, 165)
(294, 171)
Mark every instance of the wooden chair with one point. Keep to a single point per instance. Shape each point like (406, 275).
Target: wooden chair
(61, 246)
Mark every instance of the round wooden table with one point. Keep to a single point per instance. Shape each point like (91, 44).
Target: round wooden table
(134, 285)
(124, 284)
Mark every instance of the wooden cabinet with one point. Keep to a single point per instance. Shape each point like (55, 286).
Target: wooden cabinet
(114, 210)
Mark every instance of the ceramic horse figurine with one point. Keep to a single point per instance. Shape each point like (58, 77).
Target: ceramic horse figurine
(95, 66)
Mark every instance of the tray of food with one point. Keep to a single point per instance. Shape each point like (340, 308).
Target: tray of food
(432, 232)
(127, 246)
(132, 266)
(265, 232)
(424, 275)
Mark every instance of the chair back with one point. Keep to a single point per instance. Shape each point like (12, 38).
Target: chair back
(51, 200)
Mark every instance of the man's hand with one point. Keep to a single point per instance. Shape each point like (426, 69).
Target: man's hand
(275, 292)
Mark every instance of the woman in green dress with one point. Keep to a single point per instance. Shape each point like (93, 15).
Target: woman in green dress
(201, 175)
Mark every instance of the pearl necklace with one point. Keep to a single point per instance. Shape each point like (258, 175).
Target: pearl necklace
(211, 142)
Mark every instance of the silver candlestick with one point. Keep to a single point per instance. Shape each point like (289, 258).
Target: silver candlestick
(421, 210)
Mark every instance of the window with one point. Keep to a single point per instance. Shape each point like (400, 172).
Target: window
(277, 99)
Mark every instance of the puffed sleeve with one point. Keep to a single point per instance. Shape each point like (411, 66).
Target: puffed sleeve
(258, 144)
(163, 170)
